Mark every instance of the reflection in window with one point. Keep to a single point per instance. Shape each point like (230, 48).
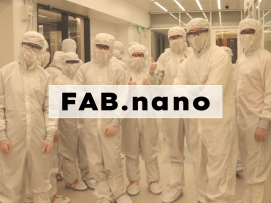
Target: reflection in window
(226, 18)
(49, 24)
(186, 17)
(228, 39)
(159, 42)
(76, 32)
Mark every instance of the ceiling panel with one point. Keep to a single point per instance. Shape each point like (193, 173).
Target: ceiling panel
(189, 5)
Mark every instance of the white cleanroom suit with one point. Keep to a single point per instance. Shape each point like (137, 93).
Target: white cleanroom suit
(24, 109)
(212, 142)
(167, 68)
(71, 144)
(140, 136)
(253, 96)
(103, 151)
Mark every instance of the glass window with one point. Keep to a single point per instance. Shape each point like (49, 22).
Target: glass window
(186, 17)
(159, 42)
(164, 20)
(228, 18)
(267, 39)
(49, 24)
(76, 32)
(228, 39)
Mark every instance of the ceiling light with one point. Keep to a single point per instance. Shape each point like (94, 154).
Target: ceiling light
(257, 7)
(219, 4)
(260, 1)
(189, 16)
(173, 16)
(160, 6)
(199, 4)
(183, 23)
(266, 14)
(205, 16)
(179, 5)
(42, 16)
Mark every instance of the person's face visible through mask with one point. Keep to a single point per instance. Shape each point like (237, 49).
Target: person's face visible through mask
(176, 43)
(247, 38)
(137, 61)
(72, 68)
(31, 53)
(198, 38)
(102, 53)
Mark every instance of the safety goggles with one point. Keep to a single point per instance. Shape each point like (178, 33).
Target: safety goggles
(197, 33)
(101, 46)
(29, 45)
(175, 37)
(138, 55)
(248, 32)
(72, 61)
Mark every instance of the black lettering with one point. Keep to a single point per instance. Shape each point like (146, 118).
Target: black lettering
(66, 101)
(112, 100)
(144, 103)
(164, 105)
(177, 102)
(88, 98)
(204, 107)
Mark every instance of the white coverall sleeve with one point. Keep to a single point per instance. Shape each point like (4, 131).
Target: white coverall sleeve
(121, 81)
(181, 78)
(79, 78)
(2, 110)
(156, 77)
(266, 78)
(50, 123)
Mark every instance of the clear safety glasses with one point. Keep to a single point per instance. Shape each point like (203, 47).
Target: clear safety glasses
(248, 32)
(138, 55)
(28, 45)
(101, 46)
(197, 33)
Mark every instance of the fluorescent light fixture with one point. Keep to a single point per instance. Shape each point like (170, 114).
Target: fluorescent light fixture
(260, 1)
(199, 4)
(173, 16)
(161, 6)
(42, 16)
(179, 5)
(189, 16)
(219, 4)
(220, 19)
(205, 16)
(257, 7)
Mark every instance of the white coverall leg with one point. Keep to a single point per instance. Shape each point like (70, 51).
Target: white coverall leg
(104, 160)
(175, 139)
(141, 138)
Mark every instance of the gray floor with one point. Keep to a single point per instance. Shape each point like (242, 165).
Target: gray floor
(145, 196)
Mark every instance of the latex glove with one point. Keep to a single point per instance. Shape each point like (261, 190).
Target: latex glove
(153, 67)
(5, 147)
(56, 137)
(110, 130)
(131, 82)
(185, 57)
(145, 81)
(47, 147)
(260, 134)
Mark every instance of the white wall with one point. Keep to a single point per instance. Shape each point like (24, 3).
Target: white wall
(97, 26)
(119, 9)
(6, 39)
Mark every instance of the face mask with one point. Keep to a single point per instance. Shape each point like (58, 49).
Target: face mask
(177, 45)
(137, 63)
(31, 56)
(71, 70)
(198, 42)
(247, 42)
(44, 59)
(101, 56)
(117, 54)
